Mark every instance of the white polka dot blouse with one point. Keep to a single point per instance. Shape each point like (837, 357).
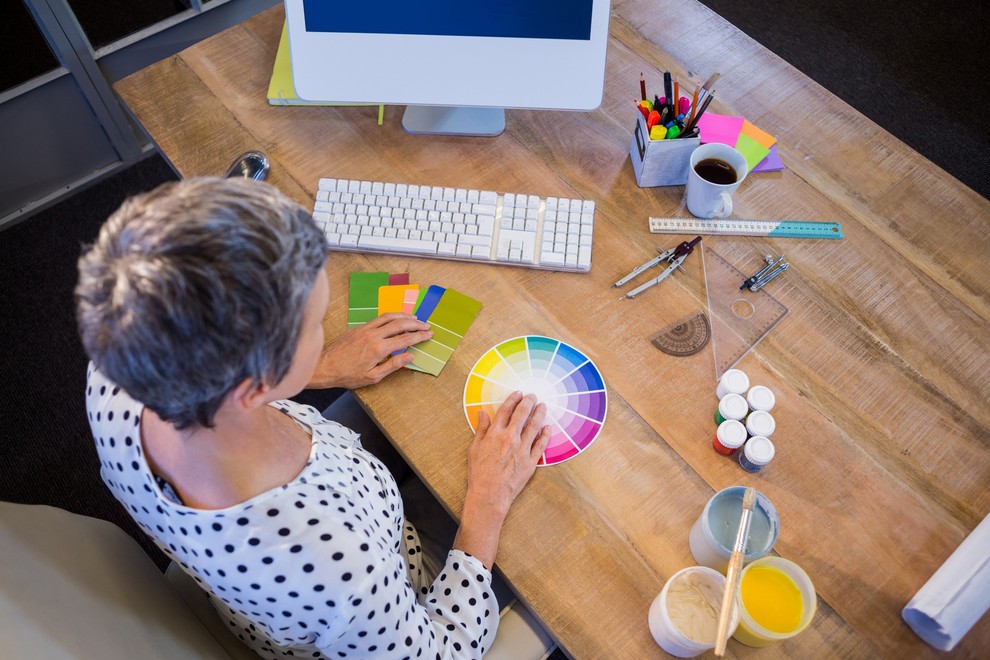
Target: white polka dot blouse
(322, 567)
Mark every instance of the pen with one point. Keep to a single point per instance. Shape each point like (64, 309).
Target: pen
(642, 86)
(668, 90)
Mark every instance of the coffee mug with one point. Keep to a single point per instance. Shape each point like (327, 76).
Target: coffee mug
(715, 173)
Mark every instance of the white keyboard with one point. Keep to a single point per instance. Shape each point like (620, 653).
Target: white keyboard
(454, 223)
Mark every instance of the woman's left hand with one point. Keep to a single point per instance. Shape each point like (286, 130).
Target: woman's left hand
(363, 355)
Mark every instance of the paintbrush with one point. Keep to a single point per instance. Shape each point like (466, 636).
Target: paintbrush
(732, 575)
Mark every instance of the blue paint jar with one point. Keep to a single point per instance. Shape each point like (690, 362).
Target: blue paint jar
(756, 453)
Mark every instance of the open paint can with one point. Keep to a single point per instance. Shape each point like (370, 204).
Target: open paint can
(714, 533)
(684, 617)
(776, 601)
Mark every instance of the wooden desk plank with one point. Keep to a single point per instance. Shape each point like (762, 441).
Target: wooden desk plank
(880, 368)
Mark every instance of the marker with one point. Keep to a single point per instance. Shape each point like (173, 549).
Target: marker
(642, 86)
(673, 132)
(683, 105)
(653, 119)
(658, 132)
(643, 110)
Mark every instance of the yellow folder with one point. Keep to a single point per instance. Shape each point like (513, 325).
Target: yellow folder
(282, 90)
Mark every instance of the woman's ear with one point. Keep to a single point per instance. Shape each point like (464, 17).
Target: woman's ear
(249, 395)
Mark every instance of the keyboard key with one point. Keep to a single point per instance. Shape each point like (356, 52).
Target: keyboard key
(406, 244)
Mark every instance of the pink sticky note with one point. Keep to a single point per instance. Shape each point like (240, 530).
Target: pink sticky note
(722, 129)
(771, 163)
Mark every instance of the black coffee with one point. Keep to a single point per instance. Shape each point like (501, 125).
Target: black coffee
(716, 171)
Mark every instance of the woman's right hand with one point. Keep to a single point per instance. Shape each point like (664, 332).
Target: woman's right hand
(501, 461)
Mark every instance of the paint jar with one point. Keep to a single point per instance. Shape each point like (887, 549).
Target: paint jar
(714, 532)
(684, 616)
(732, 406)
(732, 381)
(729, 437)
(760, 398)
(776, 601)
(760, 423)
(757, 452)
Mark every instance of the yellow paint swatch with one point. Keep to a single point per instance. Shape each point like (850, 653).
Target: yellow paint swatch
(393, 298)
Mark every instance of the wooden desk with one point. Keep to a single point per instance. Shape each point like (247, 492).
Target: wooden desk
(880, 369)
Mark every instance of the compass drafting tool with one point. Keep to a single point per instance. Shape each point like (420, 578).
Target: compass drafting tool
(673, 258)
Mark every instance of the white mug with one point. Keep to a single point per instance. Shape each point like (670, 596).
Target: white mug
(706, 199)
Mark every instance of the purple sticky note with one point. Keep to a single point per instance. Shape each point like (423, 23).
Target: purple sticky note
(722, 129)
(771, 163)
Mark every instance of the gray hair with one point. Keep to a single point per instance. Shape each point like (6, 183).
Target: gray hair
(195, 286)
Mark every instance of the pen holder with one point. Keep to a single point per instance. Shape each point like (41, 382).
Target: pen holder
(660, 162)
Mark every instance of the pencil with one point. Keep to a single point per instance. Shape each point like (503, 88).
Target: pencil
(694, 104)
(642, 85)
(701, 110)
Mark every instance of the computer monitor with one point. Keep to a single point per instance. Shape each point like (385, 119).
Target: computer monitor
(455, 64)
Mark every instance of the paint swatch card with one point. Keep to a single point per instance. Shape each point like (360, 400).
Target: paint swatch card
(362, 298)
(449, 321)
(561, 377)
(429, 302)
(410, 299)
(392, 298)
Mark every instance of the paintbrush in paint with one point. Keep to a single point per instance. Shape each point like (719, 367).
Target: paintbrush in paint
(732, 574)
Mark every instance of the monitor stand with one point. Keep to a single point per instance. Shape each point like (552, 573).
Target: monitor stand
(440, 120)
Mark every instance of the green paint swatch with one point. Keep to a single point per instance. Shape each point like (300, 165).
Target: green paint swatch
(362, 299)
(449, 322)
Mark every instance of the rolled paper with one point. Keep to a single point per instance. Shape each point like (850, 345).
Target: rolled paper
(956, 596)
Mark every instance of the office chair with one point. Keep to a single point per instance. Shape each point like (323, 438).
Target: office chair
(72, 586)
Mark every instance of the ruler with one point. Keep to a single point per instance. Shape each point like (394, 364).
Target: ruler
(737, 227)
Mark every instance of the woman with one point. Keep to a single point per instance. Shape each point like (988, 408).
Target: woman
(201, 307)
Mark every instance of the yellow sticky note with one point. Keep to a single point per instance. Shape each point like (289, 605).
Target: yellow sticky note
(393, 298)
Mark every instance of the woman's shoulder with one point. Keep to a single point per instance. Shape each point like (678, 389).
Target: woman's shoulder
(114, 417)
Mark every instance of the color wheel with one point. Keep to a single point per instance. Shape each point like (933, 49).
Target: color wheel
(558, 374)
